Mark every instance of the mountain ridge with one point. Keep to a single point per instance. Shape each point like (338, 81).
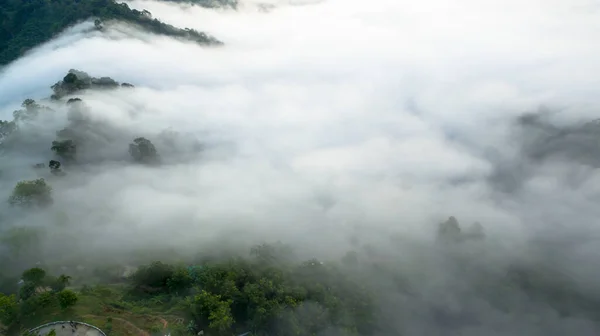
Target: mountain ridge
(26, 25)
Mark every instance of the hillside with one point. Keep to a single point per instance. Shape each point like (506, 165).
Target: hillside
(331, 168)
(27, 24)
(218, 298)
(271, 291)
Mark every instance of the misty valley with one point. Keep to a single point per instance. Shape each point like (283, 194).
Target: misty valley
(299, 167)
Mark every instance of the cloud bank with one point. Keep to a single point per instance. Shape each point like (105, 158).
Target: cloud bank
(325, 120)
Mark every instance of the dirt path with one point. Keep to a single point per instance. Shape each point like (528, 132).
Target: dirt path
(165, 322)
(162, 320)
(137, 329)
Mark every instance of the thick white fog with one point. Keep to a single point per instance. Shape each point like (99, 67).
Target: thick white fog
(374, 107)
(321, 120)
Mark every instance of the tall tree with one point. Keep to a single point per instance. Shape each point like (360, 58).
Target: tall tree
(143, 150)
(34, 275)
(31, 193)
(67, 298)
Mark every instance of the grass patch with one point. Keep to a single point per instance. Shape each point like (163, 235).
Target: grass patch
(106, 308)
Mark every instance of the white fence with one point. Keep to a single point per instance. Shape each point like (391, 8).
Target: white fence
(66, 322)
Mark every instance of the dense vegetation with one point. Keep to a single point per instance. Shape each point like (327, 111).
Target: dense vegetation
(265, 294)
(27, 24)
(37, 291)
(270, 291)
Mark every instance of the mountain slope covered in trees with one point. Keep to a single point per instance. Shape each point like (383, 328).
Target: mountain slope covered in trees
(27, 24)
(153, 209)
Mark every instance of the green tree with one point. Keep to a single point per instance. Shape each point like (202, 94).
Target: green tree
(142, 150)
(67, 298)
(27, 24)
(8, 309)
(210, 308)
(31, 193)
(29, 103)
(30, 110)
(266, 295)
(65, 149)
(272, 253)
(6, 128)
(27, 290)
(70, 78)
(34, 275)
(44, 299)
(60, 283)
(154, 276)
(180, 280)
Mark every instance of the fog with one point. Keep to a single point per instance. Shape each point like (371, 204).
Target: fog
(320, 121)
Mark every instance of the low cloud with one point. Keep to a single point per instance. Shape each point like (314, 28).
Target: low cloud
(319, 121)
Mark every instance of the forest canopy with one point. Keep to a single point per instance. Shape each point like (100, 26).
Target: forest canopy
(152, 210)
(270, 292)
(27, 24)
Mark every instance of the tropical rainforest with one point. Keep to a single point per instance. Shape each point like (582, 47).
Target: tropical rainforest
(268, 291)
(315, 168)
(27, 24)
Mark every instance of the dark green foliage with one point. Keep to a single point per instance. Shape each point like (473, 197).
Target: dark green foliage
(264, 294)
(179, 281)
(8, 309)
(70, 79)
(34, 275)
(73, 100)
(272, 298)
(67, 298)
(60, 283)
(108, 326)
(142, 150)
(65, 149)
(31, 193)
(76, 80)
(27, 24)
(30, 110)
(213, 311)
(6, 128)
(44, 299)
(27, 290)
(54, 166)
(210, 3)
(29, 103)
(272, 253)
(153, 277)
